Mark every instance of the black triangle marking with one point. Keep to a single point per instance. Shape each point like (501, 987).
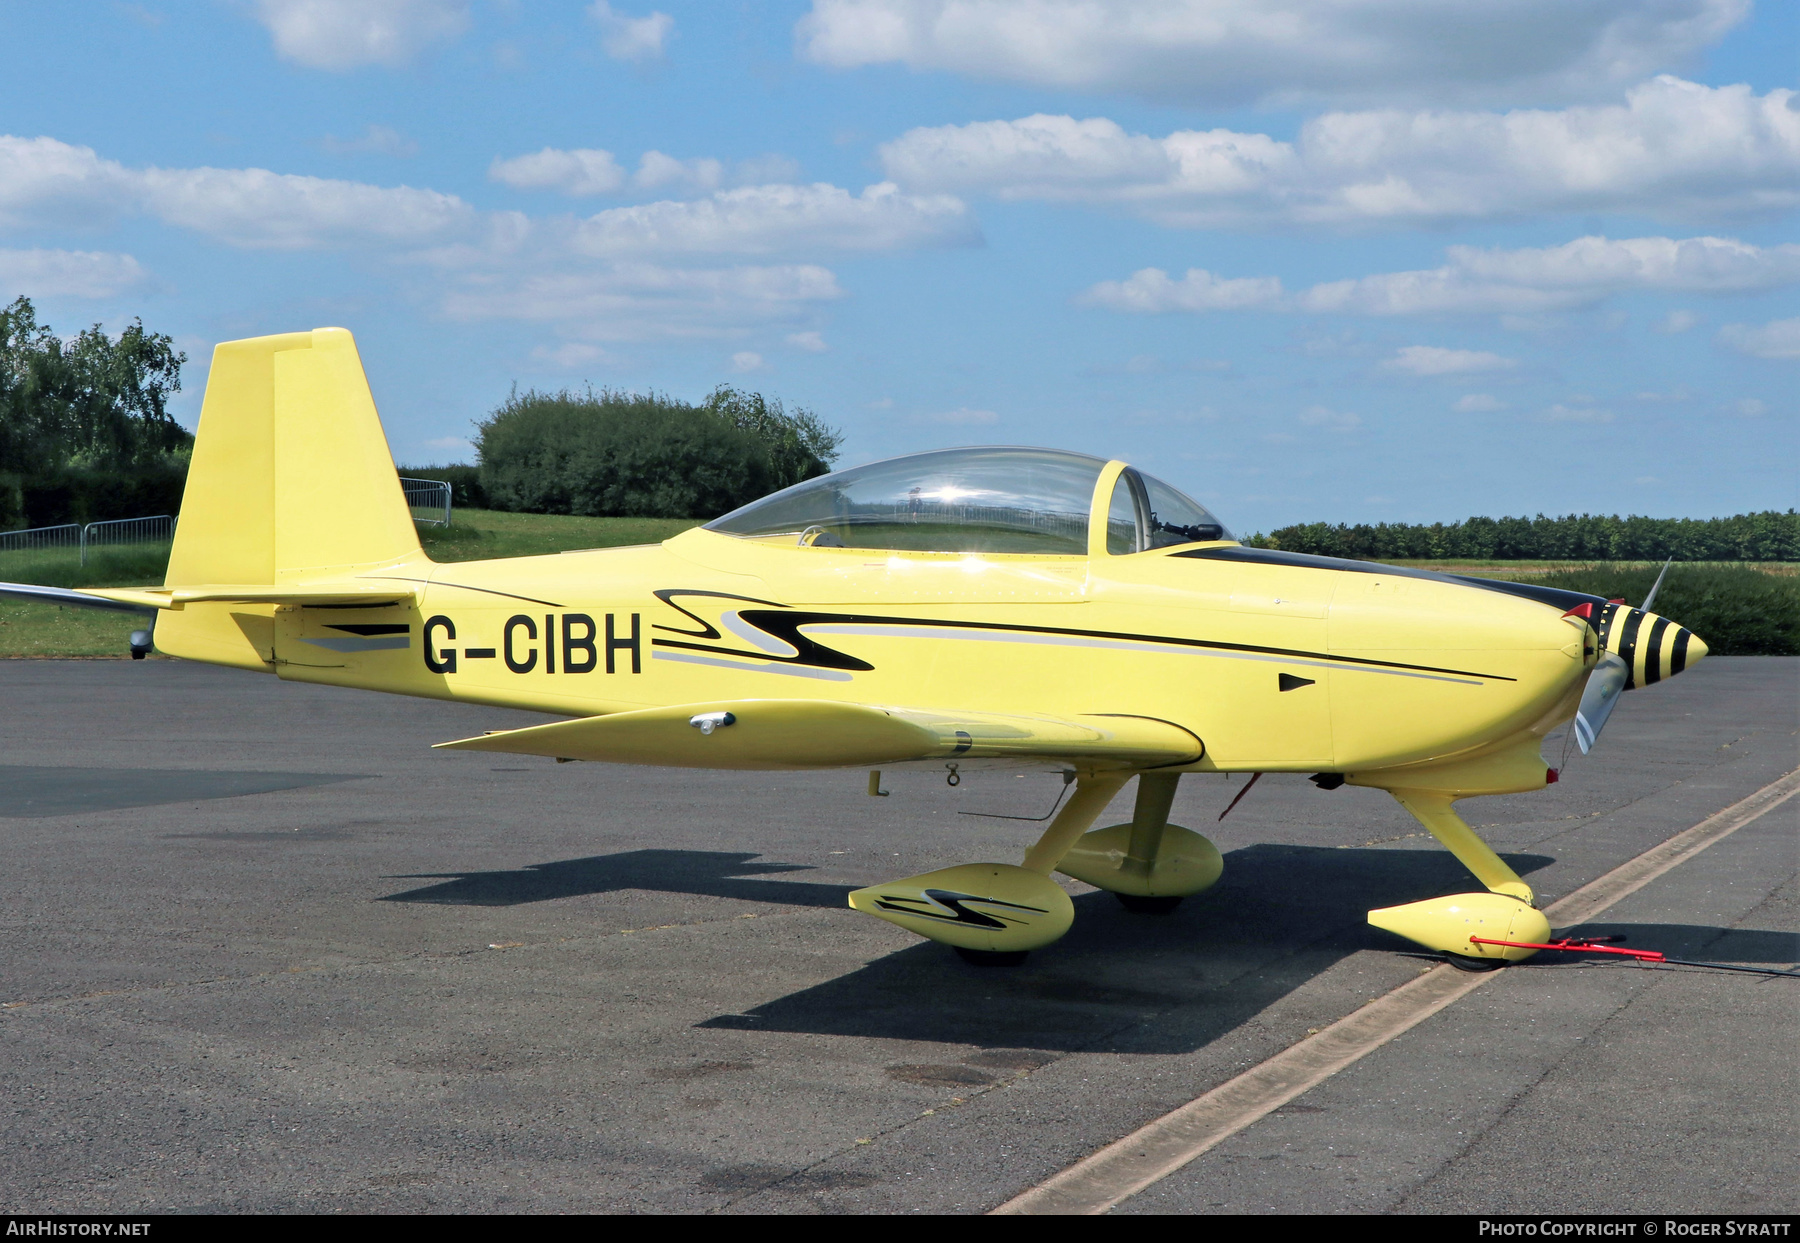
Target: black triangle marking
(1289, 682)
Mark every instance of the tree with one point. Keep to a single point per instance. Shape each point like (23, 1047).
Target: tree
(91, 401)
(799, 444)
(609, 453)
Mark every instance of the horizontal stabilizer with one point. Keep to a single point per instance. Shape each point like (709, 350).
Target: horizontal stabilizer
(808, 733)
(62, 595)
(314, 595)
(151, 599)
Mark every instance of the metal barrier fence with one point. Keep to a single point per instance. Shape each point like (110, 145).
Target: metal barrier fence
(37, 539)
(431, 495)
(77, 537)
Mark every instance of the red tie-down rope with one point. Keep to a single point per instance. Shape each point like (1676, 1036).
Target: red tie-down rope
(1599, 945)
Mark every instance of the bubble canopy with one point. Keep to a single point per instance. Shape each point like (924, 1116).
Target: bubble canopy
(992, 499)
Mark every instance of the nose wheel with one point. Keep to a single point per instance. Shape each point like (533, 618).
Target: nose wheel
(1463, 962)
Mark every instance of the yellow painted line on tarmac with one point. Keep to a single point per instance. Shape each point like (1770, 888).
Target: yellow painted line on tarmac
(1125, 1167)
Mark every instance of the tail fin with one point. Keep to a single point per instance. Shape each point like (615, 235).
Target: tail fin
(291, 492)
(291, 476)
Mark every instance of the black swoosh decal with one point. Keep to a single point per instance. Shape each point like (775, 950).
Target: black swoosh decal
(707, 630)
(786, 624)
(949, 899)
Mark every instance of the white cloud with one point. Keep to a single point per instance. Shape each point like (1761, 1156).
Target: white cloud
(578, 172)
(43, 181)
(1778, 338)
(1151, 289)
(636, 301)
(1241, 51)
(1575, 274)
(570, 354)
(657, 171)
(588, 171)
(1750, 407)
(1581, 412)
(46, 181)
(454, 444)
(631, 38)
(1431, 360)
(347, 34)
(67, 274)
(1673, 149)
(811, 342)
(253, 207)
(1676, 321)
(1478, 403)
(746, 360)
(375, 140)
(761, 170)
(1474, 281)
(590, 278)
(1330, 420)
(757, 220)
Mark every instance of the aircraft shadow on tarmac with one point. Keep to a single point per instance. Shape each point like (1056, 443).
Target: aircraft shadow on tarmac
(1174, 983)
(31, 790)
(714, 873)
(1279, 917)
(1749, 946)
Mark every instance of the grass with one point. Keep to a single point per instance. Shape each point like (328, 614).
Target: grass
(134, 565)
(1749, 608)
(483, 534)
(30, 629)
(1740, 610)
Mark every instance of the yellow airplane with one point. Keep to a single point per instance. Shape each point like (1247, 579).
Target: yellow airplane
(958, 610)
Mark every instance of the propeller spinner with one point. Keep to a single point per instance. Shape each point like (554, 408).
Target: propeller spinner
(1637, 648)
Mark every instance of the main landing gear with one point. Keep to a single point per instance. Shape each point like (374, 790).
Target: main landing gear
(994, 914)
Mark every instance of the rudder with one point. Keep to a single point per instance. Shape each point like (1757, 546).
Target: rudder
(291, 474)
(291, 481)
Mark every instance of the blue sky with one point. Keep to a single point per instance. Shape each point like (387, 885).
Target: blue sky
(1342, 260)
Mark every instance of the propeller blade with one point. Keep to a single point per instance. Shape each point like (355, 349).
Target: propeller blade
(1657, 586)
(1598, 697)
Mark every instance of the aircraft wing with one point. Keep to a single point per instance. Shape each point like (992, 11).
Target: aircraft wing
(812, 733)
(149, 599)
